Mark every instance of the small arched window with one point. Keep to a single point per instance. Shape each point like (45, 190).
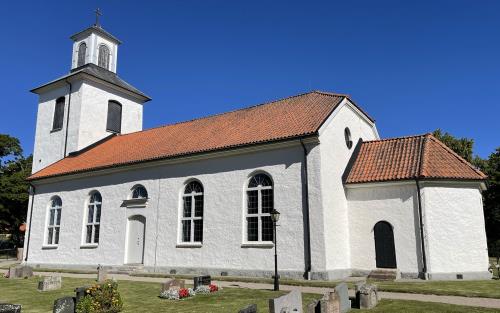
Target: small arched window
(82, 51)
(57, 122)
(192, 213)
(93, 221)
(54, 222)
(139, 192)
(347, 136)
(103, 60)
(114, 122)
(260, 203)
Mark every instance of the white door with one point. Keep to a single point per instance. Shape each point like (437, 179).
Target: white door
(135, 241)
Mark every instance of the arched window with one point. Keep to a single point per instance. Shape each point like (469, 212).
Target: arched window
(348, 139)
(93, 219)
(57, 123)
(54, 223)
(82, 51)
(192, 212)
(139, 192)
(260, 204)
(103, 60)
(114, 122)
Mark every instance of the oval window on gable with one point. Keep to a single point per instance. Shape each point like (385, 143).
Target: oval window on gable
(348, 139)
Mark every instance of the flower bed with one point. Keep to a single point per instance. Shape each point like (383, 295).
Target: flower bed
(182, 293)
(101, 298)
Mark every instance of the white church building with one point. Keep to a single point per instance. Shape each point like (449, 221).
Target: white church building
(196, 196)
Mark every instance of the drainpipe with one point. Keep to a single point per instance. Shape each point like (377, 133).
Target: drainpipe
(32, 192)
(420, 215)
(307, 228)
(67, 118)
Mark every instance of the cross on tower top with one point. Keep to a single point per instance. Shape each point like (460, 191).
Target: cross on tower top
(97, 14)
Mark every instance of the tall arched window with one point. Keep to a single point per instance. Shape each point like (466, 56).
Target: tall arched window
(93, 219)
(82, 51)
(54, 222)
(57, 122)
(139, 192)
(103, 60)
(260, 203)
(114, 122)
(192, 212)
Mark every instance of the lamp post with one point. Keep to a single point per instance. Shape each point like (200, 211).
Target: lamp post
(275, 216)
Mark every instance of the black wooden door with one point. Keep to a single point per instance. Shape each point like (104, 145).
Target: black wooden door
(384, 245)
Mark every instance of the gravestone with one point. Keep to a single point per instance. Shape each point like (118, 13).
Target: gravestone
(366, 296)
(20, 254)
(175, 284)
(329, 303)
(64, 305)
(201, 281)
(102, 273)
(10, 308)
(50, 283)
(251, 308)
(20, 271)
(289, 303)
(342, 293)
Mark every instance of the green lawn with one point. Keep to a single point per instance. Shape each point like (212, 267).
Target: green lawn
(143, 297)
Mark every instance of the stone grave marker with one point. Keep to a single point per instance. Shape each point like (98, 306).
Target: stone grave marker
(251, 308)
(64, 305)
(50, 283)
(20, 271)
(10, 308)
(342, 293)
(102, 273)
(201, 281)
(173, 284)
(329, 303)
(289, 303)
(366, 296)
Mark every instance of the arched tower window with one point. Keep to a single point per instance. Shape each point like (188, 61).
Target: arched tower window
(260, 203)
(54, 222)
(139, 192)
(103, 60)
(114, 122)
(57, 122)
(192, 212)
(82, 51)
(93, 222)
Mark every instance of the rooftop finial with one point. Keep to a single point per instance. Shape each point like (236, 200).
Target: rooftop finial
(97, 14)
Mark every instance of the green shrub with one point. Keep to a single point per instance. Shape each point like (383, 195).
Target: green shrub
(101, 298)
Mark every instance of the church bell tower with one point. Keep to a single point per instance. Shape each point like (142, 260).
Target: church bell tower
(88, 105)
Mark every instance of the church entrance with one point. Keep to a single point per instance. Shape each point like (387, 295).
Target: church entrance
(136, 228)
(384, 245)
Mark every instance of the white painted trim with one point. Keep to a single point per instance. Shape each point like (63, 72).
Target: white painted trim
(256, 244)
(380, 184)
(189, 245)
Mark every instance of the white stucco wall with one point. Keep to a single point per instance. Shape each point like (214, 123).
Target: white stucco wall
(223, 179)
(93, 41)
(395, 203)
(454, 230)
(334, 158)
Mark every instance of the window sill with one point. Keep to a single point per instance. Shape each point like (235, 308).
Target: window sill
(89, 246)
(262, 244)
(189, 245)
(48, 247)
(55, 130)
(135, 203)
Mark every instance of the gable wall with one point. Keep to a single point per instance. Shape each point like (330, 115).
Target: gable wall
(334, 158)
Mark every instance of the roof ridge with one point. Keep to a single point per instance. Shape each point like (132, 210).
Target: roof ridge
(456, 155)
(395, 138)
(236, 110)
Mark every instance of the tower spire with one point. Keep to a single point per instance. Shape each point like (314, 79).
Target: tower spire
(97, 14)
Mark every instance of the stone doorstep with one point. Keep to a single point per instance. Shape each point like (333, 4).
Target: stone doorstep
(385, 274)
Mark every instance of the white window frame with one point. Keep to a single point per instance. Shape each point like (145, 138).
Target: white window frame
(93, 223)
(192, 218)
(259, 214)
(50, 242)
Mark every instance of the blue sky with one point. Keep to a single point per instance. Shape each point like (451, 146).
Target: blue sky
(413, 66)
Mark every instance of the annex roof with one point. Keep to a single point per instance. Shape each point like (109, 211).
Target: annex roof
(294, 117)
(422, 157)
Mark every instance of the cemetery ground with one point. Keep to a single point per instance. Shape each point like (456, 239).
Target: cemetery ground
(143, 297)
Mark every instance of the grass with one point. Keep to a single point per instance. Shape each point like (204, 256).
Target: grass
(143, 297)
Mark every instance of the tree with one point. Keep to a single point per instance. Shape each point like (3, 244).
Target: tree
(14, 169)
(462, 146)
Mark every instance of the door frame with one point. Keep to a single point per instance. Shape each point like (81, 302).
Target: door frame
(393, 262)
(127, 238)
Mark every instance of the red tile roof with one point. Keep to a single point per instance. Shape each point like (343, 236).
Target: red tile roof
(423, 157)
(288, 118)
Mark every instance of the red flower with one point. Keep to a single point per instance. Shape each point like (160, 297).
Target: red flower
(213, 288)
(183, 293)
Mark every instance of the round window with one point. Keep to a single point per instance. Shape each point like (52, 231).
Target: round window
(348, 139)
